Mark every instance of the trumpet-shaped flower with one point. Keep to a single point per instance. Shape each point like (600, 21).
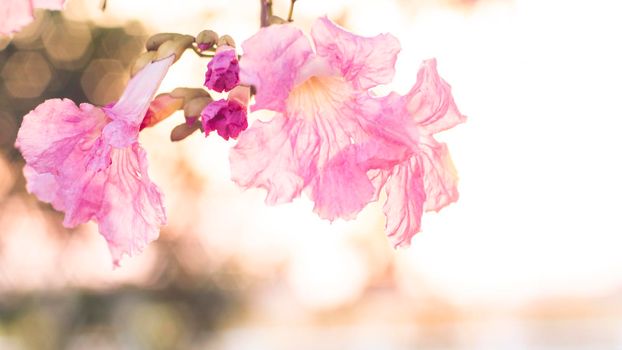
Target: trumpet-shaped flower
(86, 161)
(332, 137)
(16, 14)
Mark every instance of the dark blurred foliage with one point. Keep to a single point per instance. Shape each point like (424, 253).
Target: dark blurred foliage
(53, 58)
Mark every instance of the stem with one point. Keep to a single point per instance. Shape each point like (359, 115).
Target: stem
(266, 12)
(103, 6)
(290, 16)
(200, 53)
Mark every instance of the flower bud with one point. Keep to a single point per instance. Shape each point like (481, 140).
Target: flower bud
(223, 71)
(193, 108)
(176, 47)
(182, 131)
(227, 117)
(206, 39)
(226, 40)
(188, 93)
(154, 41)
(276, 20)
(162, 107)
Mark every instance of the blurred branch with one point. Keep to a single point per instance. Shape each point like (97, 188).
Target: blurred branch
(103, 5)
(266, 12)
(290, 16)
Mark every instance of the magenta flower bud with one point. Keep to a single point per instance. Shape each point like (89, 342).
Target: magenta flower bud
(227, 117)
(223, 71)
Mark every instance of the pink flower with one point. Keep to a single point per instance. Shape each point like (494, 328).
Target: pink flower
(87, 162)
(223, 70)
(227, 117)
(16, 14)
(333, 137)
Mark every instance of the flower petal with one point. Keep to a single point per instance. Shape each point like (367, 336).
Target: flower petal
(430, 101)
(269, 155)
(427, 181)
(44, 186)
(132, 211)
(342, 189)
(15, 15)
(348, 181)
(404, 205)
(55, 129)
(440, 178)
(366, 62)
(270, 63)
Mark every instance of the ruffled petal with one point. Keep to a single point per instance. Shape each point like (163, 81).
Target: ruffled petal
(430, 102)
(44, 186)
(270, 63)
(366, 62)
(427, 181)
(132, 211)
(81, 191)
(272, 155)
(49, 4)
(405, 200)
(347, 182)
(15, 15)
(55, 129)
(440, 177)
(342, 189)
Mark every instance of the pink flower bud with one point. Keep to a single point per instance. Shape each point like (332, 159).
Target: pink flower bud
(223, 71)
(227, 117)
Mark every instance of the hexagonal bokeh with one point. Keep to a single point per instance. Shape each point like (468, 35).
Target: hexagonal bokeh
(67, 44)
(123, 47)
(26, 74)
(29, 36)
(103, 80)
(4, 42)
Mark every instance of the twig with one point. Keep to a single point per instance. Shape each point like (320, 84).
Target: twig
(266, 12)
(290, 16)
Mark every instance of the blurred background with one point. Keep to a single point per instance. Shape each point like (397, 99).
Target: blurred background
(528, 258)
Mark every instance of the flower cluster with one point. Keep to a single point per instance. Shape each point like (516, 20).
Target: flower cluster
(331, 136)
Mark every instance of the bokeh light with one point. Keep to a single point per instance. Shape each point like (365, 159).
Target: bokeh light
(26, 74)
(103, 81)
